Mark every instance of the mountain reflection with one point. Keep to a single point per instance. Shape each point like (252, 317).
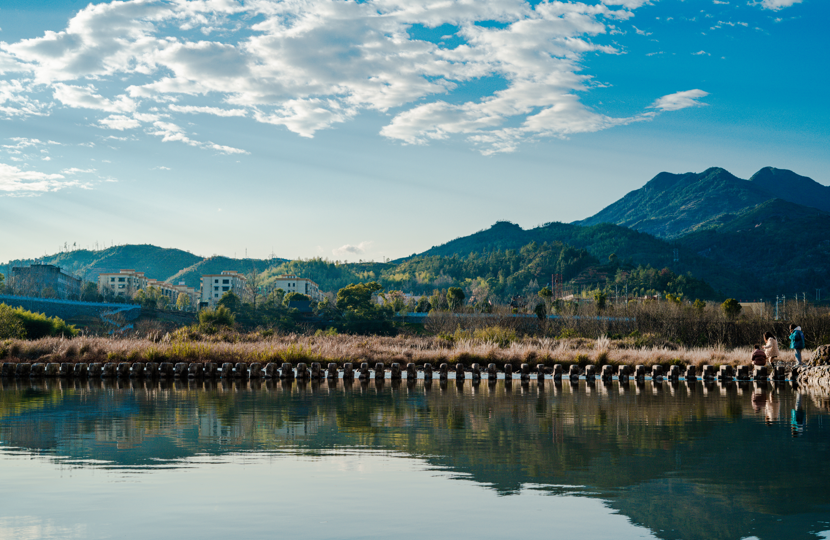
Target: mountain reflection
(686, 461)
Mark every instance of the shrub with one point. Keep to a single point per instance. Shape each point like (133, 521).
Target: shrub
(22, 324)
(567, 333)
(495, 334)
(212, 319)
(327, 332)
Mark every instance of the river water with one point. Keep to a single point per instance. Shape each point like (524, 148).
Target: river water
(205, 460)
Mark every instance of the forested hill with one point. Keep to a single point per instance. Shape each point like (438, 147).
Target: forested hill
(163, 264)
(603, 241)
(784, 246)
(192, 275)
(501, 274)
(671, 205)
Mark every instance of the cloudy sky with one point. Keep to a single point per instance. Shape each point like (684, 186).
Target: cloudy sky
(379, 128)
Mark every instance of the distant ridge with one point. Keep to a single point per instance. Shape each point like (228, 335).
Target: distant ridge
(164, 264)
(671, 205)
(601, 241)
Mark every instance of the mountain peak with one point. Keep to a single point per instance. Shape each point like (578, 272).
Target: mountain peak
(671, 205)
(789, 186)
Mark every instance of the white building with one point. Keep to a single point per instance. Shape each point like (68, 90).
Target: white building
(305, 286)
(124, 283)
(128, 282)
(215, 285)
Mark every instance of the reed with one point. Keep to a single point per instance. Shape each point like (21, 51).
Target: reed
(347, 348)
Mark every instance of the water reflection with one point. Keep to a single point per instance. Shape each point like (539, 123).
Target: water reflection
(685, 460)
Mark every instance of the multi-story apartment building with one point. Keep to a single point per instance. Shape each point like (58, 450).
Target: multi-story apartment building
(305, 286)
(128, 282)
(215, 285)
(124, 283)
(172, 292)
(45, 280)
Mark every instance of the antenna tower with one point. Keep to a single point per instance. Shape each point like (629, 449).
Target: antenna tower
(556, 281)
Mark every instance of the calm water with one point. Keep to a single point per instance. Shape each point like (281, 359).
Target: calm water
(320, 461)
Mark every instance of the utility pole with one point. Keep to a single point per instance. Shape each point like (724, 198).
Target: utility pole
(776, 307)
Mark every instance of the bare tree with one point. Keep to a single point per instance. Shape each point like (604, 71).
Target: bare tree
(253, 286)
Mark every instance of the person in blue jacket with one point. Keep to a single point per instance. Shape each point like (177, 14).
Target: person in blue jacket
(797, 342)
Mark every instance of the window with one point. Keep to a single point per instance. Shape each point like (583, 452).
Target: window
(225, 281)
(225, 288)
(121, 286)
(120, 280)
(216, 295)
(112, 279)
(216, 288)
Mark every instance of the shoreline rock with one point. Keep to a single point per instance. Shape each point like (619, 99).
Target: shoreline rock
(815, 379)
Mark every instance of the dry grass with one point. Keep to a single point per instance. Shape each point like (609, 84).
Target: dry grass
(343, 348)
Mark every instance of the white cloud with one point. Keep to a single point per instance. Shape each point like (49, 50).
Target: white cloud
(208, 110)
(349, 249)
(170, 132)
(74, 170)
(14, 100)
(630, 4)
(310, 65)
(679, 100)
(17, 182)
(119, 122)
(86, 97)
(775, 5)
(701, 53)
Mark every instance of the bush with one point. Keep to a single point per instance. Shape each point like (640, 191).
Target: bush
(21, 324)
(11, 327)
(211, 319)
(496, 334)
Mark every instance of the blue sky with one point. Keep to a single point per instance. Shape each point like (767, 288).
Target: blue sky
(364, 130)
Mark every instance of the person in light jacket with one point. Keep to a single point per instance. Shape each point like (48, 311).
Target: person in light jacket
(797, 342)
(770, 347)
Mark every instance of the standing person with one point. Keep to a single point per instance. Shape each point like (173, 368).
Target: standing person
(770, 347)
(797, 343)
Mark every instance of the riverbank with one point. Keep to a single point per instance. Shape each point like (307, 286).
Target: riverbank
(345, 348)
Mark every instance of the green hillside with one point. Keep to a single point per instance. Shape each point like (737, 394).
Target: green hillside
(784, 246)
(602, 241)
(791, 187)
(671, 205)
(155, 262)
(192, 275)
(328, 275)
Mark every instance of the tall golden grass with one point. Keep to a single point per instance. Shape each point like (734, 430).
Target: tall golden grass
(347, 348)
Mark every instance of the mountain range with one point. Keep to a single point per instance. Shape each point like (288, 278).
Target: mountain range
(746, 238)
(671, 205)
